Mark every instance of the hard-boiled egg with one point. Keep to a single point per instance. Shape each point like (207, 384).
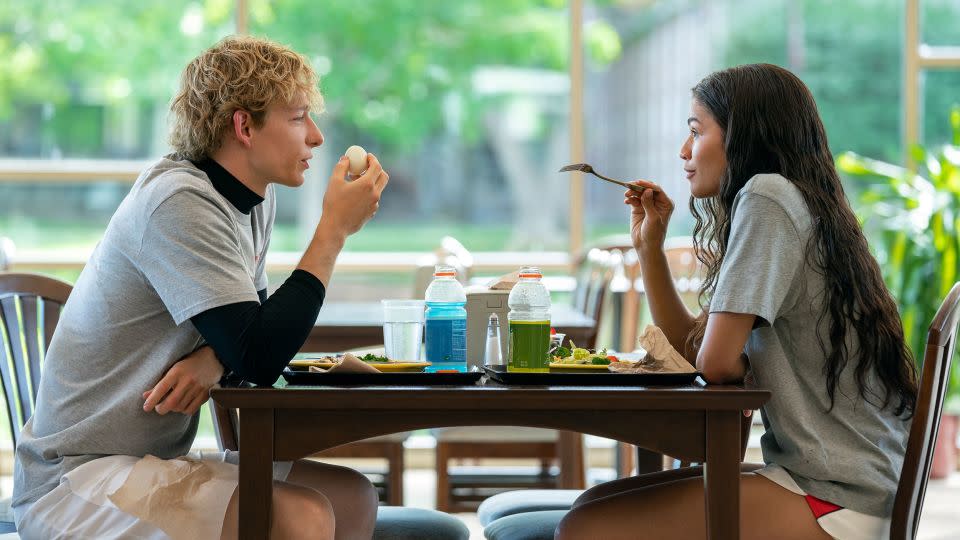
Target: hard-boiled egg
(358, 160)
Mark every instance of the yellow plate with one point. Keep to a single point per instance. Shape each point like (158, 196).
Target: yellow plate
(393, 367)
(386, 367)
(579, 367)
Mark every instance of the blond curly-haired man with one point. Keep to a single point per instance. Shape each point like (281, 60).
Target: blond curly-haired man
(174, 297)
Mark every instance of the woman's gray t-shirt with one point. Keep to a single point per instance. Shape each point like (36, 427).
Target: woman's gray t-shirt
(850, 455)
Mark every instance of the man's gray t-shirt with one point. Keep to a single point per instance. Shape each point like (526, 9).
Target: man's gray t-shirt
(175, 248)
(850, 455)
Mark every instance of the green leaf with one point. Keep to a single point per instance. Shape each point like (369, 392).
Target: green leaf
(955, 123)
(851, 163)
(917, 153)
(948, 275)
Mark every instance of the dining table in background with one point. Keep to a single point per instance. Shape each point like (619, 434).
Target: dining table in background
(693, 422)
(342, 326)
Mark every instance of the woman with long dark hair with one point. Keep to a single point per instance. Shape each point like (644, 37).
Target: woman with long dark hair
(792, 302)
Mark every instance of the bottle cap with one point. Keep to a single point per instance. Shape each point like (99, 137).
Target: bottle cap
(530, 272)
(442, 270)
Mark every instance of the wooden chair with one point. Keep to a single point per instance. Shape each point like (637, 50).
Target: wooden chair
(934, 379)
(30, 306)
(390, 487)
(462, 492)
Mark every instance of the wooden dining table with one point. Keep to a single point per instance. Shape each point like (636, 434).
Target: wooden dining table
(693, 422)
(347, 325)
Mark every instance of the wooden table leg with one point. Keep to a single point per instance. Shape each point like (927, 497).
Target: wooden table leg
(648, 461)
(721, 475)
(256, 473)
(570, 451)
(395, 464)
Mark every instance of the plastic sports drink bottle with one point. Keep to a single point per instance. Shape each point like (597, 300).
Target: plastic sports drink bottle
(446, 322)
(529, 318)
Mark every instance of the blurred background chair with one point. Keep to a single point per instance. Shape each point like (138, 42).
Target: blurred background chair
(7, 252)
(388, 483)
(387, 448)
(30, 306)
(461, 489)
(450, 252)
(394, 522)
(687, 273)
(535, 514)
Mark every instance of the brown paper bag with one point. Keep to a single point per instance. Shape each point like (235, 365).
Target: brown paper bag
(185, 497)
(505, 282)
(661, 357)
(348, 364)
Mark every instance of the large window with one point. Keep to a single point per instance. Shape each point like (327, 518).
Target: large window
(849, 53)
(87, 81)
(466, 103)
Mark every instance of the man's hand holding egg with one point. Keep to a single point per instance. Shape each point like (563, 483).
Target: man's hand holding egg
(358, 160)
(353, 193)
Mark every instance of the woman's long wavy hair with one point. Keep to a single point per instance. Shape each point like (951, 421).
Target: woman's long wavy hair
(771, 125)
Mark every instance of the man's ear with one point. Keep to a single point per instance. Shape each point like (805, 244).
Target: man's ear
(242, 126)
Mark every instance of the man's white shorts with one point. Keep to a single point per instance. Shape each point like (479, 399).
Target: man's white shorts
(164, 499)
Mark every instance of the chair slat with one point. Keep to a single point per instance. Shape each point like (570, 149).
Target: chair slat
(30, 313)
(7, 376)
(21, 358)
(51, 315)
(14, 348)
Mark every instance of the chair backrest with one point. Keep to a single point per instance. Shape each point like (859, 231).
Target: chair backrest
(30, 307)
(686, 270)
(934, 378)
(595, 270)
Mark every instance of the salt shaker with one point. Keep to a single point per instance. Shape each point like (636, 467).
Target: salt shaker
(491, 355)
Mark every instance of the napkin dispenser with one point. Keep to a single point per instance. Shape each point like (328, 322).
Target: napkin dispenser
(481, 302)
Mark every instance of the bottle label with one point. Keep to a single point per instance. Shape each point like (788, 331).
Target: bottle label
(446, 340)
(528, 346)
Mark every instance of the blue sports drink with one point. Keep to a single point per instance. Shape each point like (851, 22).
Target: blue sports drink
(446, 322)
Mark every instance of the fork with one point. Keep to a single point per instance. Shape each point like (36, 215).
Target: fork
(587, 168)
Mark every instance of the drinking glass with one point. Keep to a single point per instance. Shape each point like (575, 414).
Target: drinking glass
(403, 329)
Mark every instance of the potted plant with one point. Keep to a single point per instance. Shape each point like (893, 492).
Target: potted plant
(912, 220)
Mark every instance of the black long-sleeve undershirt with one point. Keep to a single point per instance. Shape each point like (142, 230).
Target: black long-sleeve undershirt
(257, 340)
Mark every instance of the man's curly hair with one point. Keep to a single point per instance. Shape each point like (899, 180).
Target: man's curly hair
(239, 72)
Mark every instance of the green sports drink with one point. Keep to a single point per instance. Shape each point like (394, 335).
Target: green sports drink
(529, 343)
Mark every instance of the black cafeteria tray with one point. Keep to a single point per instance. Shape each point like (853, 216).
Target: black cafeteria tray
(589, 378)
(312, 378)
